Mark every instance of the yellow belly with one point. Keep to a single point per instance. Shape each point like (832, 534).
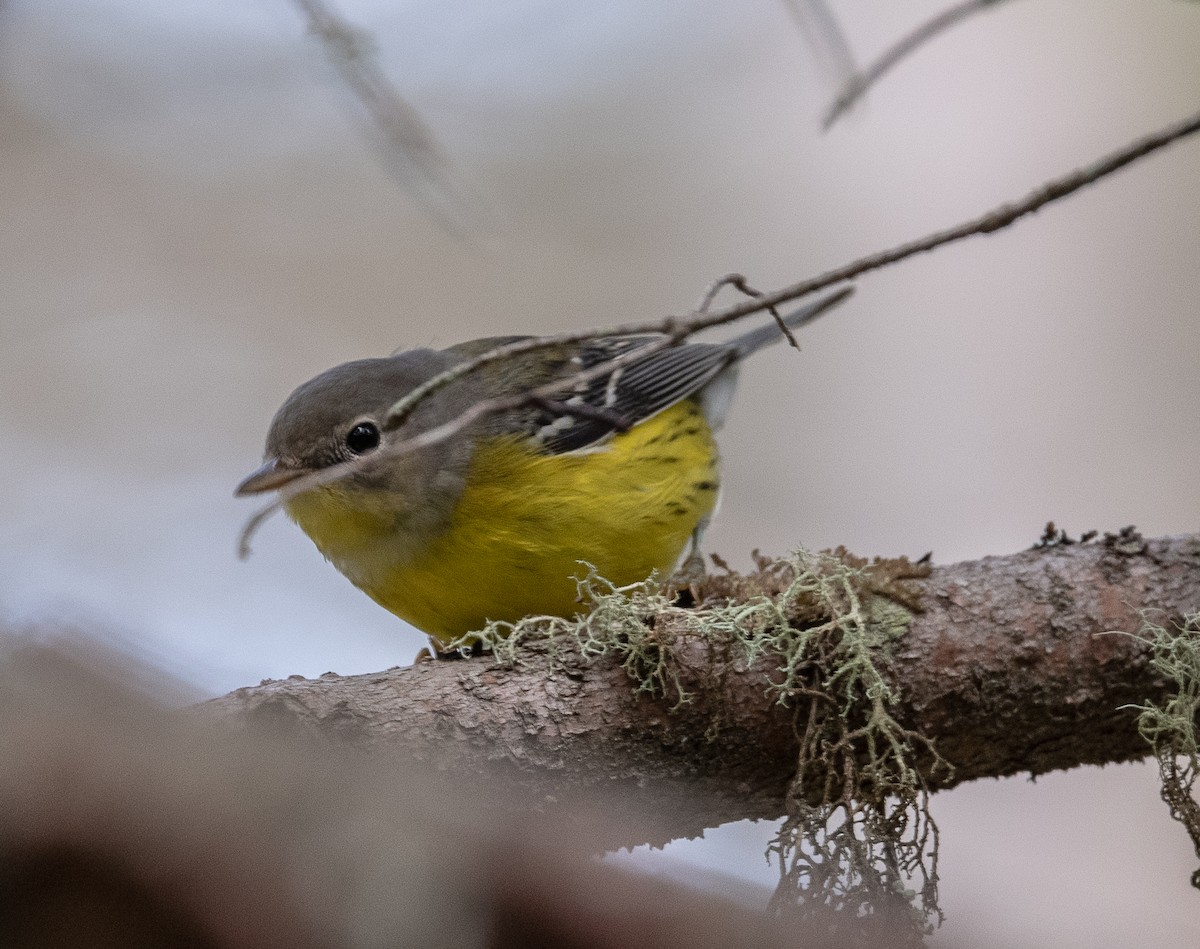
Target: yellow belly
(525, 520)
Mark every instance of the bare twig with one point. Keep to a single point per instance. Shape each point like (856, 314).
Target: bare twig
(739, 282)
(680, 328)
(744, 286)
(711, 291)
(676, 329)
(858, 84)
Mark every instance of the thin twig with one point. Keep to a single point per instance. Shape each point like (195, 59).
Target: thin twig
(675, 329)
(856, 87)
(739, 282)
(786, 330)
(711, 291)
(680, 328)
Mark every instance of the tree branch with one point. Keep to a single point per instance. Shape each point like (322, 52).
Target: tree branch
(1011, 668)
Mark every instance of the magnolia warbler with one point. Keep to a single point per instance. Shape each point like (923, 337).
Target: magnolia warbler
(494, 522)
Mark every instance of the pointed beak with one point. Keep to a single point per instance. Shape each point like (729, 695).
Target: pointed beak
(270, 477)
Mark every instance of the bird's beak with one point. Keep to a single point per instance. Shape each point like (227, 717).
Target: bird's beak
(270, 477)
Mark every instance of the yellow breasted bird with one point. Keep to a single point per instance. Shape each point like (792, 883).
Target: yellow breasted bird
(492, 523)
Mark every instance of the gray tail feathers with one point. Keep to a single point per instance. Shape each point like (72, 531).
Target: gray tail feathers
(747, 343)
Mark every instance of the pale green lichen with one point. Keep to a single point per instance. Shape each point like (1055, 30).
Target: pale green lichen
(1170, 728)
(619, 623)
(858, 832)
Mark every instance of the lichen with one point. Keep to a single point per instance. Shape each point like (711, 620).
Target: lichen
(858, 833)
(1170, 728)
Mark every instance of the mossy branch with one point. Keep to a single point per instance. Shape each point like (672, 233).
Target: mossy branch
(1005, 672)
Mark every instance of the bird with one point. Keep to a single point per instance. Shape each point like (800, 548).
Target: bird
(499, 520)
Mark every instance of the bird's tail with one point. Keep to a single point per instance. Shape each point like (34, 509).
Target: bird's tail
(747, 343)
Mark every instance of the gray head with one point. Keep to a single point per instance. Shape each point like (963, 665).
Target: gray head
(340, 414)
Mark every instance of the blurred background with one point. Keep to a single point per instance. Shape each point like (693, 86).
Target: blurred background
(195, 220)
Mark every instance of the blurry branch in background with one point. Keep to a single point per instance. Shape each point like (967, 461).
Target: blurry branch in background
(407, 146)
(125, 824)
(823, 34)
(675, 330)
(858, 84)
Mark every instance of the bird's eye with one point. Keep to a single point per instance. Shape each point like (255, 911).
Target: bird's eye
(364, 437)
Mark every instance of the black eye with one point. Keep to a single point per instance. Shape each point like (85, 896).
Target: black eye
(364, 437)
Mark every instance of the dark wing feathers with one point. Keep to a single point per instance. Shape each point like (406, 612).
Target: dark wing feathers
(634, 393)
(660, 381)
(648, 386)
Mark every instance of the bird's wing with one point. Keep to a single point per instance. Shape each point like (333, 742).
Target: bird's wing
(632, 394)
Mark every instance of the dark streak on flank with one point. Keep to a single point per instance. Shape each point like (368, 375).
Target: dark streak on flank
(691, 431)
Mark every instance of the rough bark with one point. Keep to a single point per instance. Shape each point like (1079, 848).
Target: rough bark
(1009, 669)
